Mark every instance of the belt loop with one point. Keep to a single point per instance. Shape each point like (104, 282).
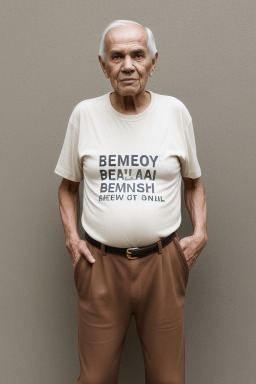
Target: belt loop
(159, 243)
(103, 249)
(176, 233)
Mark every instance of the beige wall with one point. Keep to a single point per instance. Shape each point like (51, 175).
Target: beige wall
(49, 64)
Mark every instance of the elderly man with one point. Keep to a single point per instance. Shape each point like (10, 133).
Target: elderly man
(132, 147)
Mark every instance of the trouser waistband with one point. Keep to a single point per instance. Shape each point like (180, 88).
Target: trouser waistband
(133, 252)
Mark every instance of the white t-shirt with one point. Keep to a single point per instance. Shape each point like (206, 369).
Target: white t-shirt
(132, 167)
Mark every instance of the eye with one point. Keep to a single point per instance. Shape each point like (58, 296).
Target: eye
(138, 56)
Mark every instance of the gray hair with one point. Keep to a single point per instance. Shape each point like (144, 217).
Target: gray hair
(123, 23)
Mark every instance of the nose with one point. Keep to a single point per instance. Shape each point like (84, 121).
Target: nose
(127, 64)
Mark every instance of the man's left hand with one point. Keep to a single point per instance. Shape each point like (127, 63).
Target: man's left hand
(191, 247)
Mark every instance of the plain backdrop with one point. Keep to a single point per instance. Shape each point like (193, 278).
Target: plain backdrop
(48, 64)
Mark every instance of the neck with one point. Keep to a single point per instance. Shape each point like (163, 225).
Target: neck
(130, 105)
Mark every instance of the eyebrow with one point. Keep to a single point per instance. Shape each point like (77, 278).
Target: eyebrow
(134, 51)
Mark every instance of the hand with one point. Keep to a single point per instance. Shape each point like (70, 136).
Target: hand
(191, 247)
(76, 248)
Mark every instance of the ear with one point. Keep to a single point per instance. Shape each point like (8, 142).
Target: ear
(153, 64)
(103, 66)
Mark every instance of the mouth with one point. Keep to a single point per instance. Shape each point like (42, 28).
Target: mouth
(128, 80)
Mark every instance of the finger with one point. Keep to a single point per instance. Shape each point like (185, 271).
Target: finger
(75, 259)
(85, 251)
(192, 263)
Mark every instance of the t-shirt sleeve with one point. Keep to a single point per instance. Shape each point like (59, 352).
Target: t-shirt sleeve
(69, 164)
(189, 164)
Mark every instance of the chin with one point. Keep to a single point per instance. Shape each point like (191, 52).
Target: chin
(128, 91)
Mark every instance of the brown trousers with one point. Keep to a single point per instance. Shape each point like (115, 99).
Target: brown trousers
(113, 289)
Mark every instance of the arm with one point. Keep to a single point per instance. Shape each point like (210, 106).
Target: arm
(68, 194)
(194, 195)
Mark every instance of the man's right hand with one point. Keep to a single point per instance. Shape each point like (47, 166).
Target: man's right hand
(69, 205)
(77, 248)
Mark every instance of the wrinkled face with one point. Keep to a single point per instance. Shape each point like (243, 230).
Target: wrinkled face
(128, 63)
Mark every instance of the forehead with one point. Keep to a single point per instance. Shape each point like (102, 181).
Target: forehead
(126, 37)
